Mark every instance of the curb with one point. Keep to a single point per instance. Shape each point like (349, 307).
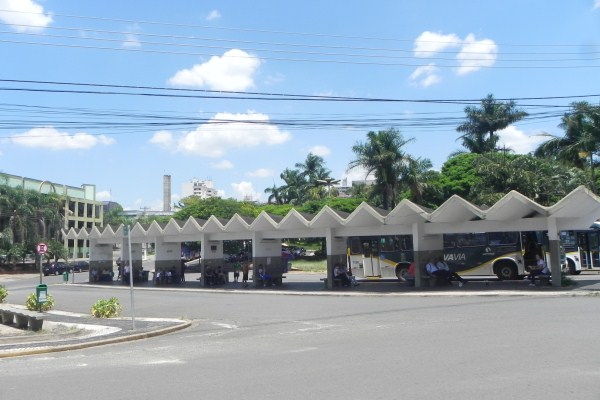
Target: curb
(94, 343)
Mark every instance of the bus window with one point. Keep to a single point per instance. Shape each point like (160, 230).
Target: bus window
(355, 246)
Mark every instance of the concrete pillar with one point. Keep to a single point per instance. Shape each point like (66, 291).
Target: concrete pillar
(211, 254)
(554, 242)
(266, 253)
(336, 254)
(168, 255)
(425, 247)
(101, 258)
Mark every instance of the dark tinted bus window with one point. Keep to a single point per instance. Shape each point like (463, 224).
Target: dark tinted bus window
(502, 238)
(355, 246)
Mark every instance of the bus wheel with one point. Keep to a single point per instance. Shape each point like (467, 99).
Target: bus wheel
(400, 272)
(506, 271)
(572, 269)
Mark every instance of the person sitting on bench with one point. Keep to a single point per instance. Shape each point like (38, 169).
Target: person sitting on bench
(339, 273)
(451, 275)
(540, 268)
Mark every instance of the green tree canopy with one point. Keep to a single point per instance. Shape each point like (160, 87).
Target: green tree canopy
(482, 122)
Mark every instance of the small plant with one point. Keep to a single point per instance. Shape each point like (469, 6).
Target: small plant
(33, 305)
(107, 308)
(3, 293)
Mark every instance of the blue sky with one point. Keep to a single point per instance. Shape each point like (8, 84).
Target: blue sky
(403, 60)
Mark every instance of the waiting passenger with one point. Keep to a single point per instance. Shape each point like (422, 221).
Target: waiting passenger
(540, 268)
(451, 275)
(339, 273)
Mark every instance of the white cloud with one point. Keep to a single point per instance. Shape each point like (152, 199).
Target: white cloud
(244, 190)
(518, 141)
(425, 76)
(476, 54)
(104, 195)
(274, 79)
(429, 43)
(214, 14)
(163, 139)
(596, 4)
(24, 12)
(50, 138)
(223, 164)
(357, 174)
(131, 41)
(320, 151)
(261, 173)
(472, 55)
(234, 71)
(224, 132)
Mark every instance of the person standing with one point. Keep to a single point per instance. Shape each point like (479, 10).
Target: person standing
(245, 269)
(236, 271)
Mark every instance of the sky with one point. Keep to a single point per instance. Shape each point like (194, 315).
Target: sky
(118, 94)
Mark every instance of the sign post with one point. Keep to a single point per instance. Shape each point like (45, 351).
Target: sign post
(127, 231)
(41, 249)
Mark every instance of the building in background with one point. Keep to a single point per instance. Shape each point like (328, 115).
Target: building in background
(81, 210)
(167, 193)
(203, 189)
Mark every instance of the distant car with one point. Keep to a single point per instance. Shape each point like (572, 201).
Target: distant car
(55, 268)
(79, 266)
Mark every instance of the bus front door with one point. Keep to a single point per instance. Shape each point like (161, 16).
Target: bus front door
(371, 265)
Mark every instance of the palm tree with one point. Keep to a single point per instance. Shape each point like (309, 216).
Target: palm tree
(482, 122)
(382, 155)
(294, 189)
(311, 166)
(416, 175)
(581, 141)
(274, 195)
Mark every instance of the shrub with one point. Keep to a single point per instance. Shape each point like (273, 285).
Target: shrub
(33, 305)
(107, 308)
(3, 293)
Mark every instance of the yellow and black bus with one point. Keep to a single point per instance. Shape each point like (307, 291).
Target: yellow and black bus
(503, 254)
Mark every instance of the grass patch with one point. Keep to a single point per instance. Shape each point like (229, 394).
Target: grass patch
(305, 265)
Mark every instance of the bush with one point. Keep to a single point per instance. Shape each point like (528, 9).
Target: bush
(33, 305)
(3, 293)
(107, 308)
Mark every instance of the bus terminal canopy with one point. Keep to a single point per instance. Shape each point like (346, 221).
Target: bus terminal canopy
(514, 212)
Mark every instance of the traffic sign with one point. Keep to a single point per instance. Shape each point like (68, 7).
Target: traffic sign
(42, 248)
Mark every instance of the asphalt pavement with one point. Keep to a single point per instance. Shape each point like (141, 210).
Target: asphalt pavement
(66, 331)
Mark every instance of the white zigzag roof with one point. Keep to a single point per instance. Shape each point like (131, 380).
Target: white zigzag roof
(514, 212)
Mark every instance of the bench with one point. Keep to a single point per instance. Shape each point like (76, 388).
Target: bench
(22, 319)
(544, 280)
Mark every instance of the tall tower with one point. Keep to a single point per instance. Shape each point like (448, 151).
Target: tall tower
(166, 193)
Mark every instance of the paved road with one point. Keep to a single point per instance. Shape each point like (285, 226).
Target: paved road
(266, 346)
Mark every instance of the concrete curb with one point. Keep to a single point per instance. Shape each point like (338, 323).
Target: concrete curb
(94, 343)
(342, 293)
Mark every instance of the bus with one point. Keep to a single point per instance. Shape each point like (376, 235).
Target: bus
(582, 249)
(503, 254)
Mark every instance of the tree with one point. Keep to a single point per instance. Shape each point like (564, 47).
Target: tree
(458, 175)
(382, 156)
(416, 175)
(275, 195)
(482, 122)
(543, 180)
(581, 141)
